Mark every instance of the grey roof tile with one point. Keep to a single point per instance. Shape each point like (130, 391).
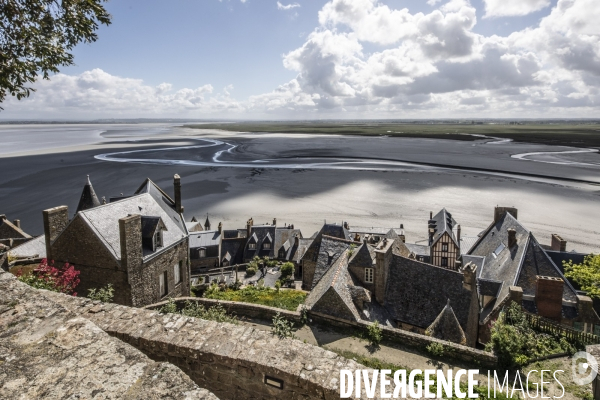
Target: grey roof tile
(446, 327)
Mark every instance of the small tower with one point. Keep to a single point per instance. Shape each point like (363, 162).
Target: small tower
(207, 224)
(88, 197)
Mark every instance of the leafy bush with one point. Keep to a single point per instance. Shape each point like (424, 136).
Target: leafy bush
(304, 315)
(516, 343)
(105, 294)
(586, 274)
(169, 308)
(277, 285)
(287, 271)
(282, 327)
(260, 283)
(436, 349)
(251, 270)
(374, 334)
(46, 276)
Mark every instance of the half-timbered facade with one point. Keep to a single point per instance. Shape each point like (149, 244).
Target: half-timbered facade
(444, 245)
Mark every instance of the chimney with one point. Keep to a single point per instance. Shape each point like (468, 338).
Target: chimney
(130, 234)
(346, 226)
(430, 214)
(548, 297)
(177, 187)
(2, 217)
(55, 221)
(274, 221)
(458, 234)
(17, 223)
(585, 308)
(249, 227)
(500, 211)
(515, 293)
(558, 243)
(512, 237)
(296, 240)
(469, 276)
(220, 228)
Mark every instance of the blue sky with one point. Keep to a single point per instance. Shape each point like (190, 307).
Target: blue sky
(264, 59)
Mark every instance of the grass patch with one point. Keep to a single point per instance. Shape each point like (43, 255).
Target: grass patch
(284, 299)
(585, 134)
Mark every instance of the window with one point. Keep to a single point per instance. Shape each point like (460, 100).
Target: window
(252, 246)
(158, 240)
(281, 254)
(266, 246)
(445, 247)
(201, 253)
(162, 284)
(177, 272)
(578, 326)
(369, 275)
(444, 261)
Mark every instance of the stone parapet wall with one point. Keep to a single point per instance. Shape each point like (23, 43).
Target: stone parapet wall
(49, 352)
(239, 309)
(232, 361)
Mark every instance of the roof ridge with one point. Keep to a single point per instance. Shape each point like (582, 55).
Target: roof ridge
(337, 239)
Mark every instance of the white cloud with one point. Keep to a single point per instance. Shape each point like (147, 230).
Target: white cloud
(287, 7)
(510, 8)
(417, 65)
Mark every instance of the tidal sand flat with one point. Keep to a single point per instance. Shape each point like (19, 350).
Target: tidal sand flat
(306, 179)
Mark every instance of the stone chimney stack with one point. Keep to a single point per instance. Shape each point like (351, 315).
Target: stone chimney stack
(130, 234)
(458, 234)
(55, 221)
(220, 228)
(548, 297)
(430, 214)
(177, 188)
(512, 237)
(296, 240)
(249, 227)
(17, 223)
(500, 211)
(274, 221)
(346, 226)
(558, 243)
(383, 259)
(469, 277)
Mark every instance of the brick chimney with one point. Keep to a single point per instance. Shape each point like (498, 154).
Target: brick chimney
(177, 188)
(548, 297)
(558, 243)
(500, 211)
(55, 221)
(17, 223)
(130, 234)
(512, 237)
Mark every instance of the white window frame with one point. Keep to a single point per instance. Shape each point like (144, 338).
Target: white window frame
(369, 275)
(158, 240)
(201, 253)
(445, 247)
(267, 246)
(177, 272)
(251, 246)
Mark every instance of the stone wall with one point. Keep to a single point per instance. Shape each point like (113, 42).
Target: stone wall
(48, 352)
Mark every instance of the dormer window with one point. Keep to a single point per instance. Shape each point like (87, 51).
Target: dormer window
(267, 246)
(252, 246)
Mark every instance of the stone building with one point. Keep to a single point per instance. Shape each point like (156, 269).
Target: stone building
(205, 248)
(139, 244)
(513, 266)
(11, 234)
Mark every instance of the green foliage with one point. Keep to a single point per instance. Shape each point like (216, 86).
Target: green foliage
(587, 274)
(193, 309)
(351, 249)
(284, 299)
(251, 269)
(212, 289)
(36, 36)
(277, 285)
(282, 327)
(303, 315)
(105, 294)
(374, 334)
(436, 349)
(516, 343)
(287, 271)
(260, 283)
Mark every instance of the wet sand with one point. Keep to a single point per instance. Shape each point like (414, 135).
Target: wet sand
(306, 196)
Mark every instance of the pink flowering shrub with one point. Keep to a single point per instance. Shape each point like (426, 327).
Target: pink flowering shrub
(47, 276)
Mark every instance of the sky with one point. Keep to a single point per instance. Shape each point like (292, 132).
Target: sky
(316, 59)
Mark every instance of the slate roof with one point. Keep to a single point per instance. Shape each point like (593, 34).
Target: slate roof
(33, 248)
(466, 243)
(204, 239)
(337, 231)
(230, 234)
(446, 327)
(150, 225)
(149, 200)
(302, 247)
(517, 266)
(378, 231)
(194, 226)
(364, 256)
(488, 288)
(329, 251)
(442, 223)
(234, 247)
(418, 249)
(260, 233)
(285, 239)
(416, 292)
(88, 197)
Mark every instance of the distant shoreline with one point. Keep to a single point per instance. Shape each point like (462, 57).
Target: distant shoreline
(586, 135)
